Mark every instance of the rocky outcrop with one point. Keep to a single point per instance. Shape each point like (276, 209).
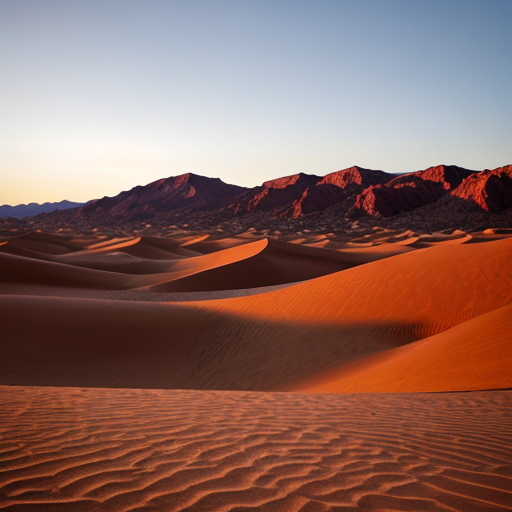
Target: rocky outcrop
(274, 194)
(410, 191)
(188, 191)
(489, 189)
(336, 187)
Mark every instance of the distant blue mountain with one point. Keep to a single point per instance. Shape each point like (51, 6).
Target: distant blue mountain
(27, 210)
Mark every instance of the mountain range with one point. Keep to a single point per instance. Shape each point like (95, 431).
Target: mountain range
(27, 210)
(440, 197)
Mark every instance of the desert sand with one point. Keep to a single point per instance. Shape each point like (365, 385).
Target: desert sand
(125, 450)
(211, 372)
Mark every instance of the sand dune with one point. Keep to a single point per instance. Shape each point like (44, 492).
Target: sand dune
(117, 261)
(116, 270)
(158, 248)
(43, 243)
(433, 240)
(254, 342)
(27, 271)
(113, 343)
(163, 270)
(374, 253)
(255, 264)
(456, 282)
(112, 243)
(476, 354)
(195, 240)
(129, 450)
(212, 243)
(276, 263)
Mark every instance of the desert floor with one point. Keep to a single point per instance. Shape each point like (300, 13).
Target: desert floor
(206, 372)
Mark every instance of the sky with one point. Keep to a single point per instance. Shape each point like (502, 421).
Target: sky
(97, 97)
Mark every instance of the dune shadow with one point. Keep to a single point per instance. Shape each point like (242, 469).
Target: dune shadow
(96, 343)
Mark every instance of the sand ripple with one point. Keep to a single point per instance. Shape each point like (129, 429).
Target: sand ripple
(128, 450)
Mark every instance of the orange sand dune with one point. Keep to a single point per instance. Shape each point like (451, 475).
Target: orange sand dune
(433, 240)
(116, 261)
(213, 243)
(116, 270)
(195, 240)
(360, 243)
(164, 270)
(297, 241)
(23, 270)
(158, 248)
(116, 343)
(474, 355)
(488, 236)
(110, 243)
(41, 243)
(374, 253)
(31, 271)
(276, 263)
(253, 264)
(271, 262)
(319, 244)
(429, 290)
(121, 450)
(143, 247)
(408, 241)
(206, 262)
(280, 263)
(9, 247)
(254, 342)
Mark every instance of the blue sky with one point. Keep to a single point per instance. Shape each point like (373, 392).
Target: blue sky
(99, 96)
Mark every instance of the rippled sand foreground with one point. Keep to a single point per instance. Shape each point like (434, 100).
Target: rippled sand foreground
(126, 450)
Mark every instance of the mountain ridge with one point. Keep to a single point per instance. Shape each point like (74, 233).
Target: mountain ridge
(30, 209)
(439, 197)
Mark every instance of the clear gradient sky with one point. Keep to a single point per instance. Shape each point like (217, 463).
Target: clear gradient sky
(99, 96)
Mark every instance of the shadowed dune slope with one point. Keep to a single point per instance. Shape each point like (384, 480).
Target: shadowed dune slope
(430, 241)
(256, 342)
(277, 263)
(130, 450)
(23, 270)
(206, 245)
(158, 248)
(377, 252)
(476, 354)
(44, 243)
(115, 343)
